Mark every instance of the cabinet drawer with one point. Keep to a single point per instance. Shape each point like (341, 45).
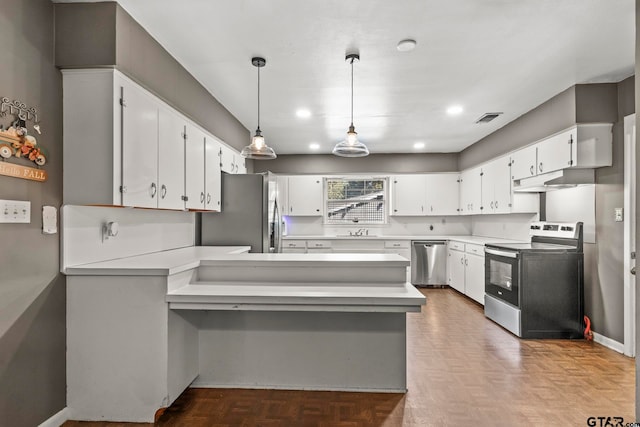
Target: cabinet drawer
(294, 244)
(318, 244)
(458, 246)
(475, 249)
(396, 244)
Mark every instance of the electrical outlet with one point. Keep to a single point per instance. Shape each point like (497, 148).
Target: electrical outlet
(15, 211)
(618, 215)
(49, 220)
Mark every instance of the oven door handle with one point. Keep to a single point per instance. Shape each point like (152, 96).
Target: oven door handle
(501, 253)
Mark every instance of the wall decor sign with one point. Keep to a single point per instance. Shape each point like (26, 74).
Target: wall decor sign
(16, 143)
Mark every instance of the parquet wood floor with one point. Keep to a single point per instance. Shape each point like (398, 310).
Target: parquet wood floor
(462, 370)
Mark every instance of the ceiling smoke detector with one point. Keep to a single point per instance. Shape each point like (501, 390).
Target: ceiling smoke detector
(487, 117)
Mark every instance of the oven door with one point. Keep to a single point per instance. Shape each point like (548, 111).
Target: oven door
(501, 274)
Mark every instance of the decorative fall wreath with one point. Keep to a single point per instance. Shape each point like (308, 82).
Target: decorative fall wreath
(16, 142)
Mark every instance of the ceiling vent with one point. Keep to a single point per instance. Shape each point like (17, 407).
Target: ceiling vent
(487, 117)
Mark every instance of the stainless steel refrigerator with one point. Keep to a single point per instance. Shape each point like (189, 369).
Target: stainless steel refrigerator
(250, 214)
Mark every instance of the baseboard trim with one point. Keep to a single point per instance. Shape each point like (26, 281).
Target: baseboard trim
(57, 420)
(608, 342)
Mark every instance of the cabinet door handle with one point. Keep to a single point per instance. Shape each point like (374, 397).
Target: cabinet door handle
(154, 190)
(540, 167)
(163, 192)
(208, 198)
(202, 197)
(531, 170)
(462, 260)
(466, 261)
(491, 204)
(496, 205)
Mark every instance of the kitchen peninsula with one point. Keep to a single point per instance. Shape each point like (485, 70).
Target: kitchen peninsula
(141, 329)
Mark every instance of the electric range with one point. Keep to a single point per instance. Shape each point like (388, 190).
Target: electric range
(535, 289)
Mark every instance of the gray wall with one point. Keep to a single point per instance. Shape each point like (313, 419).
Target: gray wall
(554, 115)
(578, 104)
(604, 296)
(32, 292)
(103, 34)
(386, 163)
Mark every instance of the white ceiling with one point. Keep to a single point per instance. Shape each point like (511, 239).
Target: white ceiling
(485, 55)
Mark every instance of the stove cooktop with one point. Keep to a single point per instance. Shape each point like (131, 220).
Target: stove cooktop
(533, 246)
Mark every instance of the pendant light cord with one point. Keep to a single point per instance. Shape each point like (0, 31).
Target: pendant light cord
(352, 92)
(258, 98)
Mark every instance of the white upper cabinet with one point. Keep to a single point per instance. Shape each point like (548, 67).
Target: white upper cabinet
(471, 191)
(194, 168)
(524, 163)
(442, 194)
(557, 152)
(231, 161)
(283, 193)
(496, 186)
(139, 146)
(213, 180)
(123, 146)
(581, 146)
(409, 195)
(305, 196)
(171, 128)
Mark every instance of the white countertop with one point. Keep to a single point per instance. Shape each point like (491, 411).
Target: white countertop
(479, 240)
(310, 297)
(178, 260)
(156, 264)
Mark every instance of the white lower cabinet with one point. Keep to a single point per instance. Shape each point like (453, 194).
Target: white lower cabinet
(466, 269)
(294, 246)
(474, 277)
(319, 246)
(455, 267)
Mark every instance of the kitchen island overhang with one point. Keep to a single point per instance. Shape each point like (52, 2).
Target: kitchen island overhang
(291, 321)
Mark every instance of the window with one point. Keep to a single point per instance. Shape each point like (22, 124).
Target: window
(356, 200)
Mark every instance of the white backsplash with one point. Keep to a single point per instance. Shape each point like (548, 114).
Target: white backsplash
(397, 226)
(141, 231)
(513, 226)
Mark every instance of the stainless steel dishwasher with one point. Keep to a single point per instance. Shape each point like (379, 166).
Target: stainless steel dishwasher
(428, 262)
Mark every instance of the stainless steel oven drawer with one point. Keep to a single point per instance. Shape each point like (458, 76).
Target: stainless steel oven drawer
(503, 314)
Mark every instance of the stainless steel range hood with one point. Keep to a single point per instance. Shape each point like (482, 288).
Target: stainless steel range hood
(565, 178)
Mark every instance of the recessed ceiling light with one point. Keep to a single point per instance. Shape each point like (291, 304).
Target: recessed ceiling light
(454, 109)
(406, 45)
(418, 145)
(303, 113)
(314, 146)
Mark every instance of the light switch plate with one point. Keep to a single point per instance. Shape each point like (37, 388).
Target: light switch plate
(15, 211)
(49, 220)
(618, 215)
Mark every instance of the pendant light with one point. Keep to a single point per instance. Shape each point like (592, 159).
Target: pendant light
(351, 147)
(258, 149)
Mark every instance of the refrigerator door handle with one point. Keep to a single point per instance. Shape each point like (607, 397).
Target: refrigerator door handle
(277, 238)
